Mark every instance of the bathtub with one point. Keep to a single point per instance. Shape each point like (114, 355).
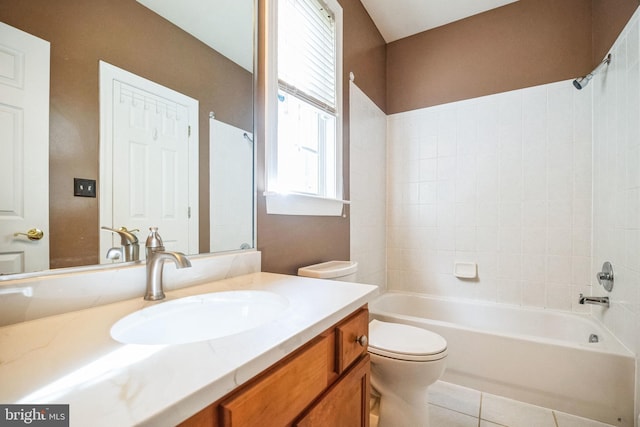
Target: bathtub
(538, 356)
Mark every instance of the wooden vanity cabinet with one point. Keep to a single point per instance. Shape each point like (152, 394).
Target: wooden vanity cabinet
(326, 382)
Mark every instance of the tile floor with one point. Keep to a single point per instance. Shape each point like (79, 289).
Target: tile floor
(451, 405)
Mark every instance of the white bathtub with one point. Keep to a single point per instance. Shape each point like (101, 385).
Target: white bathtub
(538, 356)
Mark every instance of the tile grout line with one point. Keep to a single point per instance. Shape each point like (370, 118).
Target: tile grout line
(451, 410)
(555, 419)
(480, 419)
(480, 410)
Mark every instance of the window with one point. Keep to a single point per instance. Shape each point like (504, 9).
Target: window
(304, 153)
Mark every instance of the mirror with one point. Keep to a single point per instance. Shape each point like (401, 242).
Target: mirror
(203, 49)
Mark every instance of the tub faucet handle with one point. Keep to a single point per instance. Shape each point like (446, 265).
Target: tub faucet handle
(605, 277)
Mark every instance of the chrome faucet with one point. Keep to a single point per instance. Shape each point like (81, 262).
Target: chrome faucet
(130, 249)
(156, 256)
(604, 301)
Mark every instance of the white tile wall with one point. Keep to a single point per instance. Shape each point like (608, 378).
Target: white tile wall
(367, 187)
(616, 187)
(504, 181)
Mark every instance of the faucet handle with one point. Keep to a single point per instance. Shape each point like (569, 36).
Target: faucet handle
(154, 241)
(126, 236)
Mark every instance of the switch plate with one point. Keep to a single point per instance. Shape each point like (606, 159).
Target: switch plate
(84, 187)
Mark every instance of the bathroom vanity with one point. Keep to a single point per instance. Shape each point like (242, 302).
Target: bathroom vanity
(324, 383)
(301, 367)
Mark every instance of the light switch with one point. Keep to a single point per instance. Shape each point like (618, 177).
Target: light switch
(84, 187)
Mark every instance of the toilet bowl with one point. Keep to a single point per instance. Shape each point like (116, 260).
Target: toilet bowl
(405, 361)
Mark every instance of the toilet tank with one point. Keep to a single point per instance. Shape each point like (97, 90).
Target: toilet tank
(333, 270)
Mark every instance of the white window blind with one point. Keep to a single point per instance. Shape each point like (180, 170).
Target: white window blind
(304, 108)
(307, 52)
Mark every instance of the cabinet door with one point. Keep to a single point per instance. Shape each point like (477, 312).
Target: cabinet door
(346, 403)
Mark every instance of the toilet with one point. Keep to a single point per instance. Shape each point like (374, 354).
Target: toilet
(405, 360)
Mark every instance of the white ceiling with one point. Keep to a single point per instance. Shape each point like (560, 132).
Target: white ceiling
(227, 25)
(224, 25)
(397, 19)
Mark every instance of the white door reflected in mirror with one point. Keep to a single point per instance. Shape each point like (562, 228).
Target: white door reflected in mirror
(24, 144)
(149, 161)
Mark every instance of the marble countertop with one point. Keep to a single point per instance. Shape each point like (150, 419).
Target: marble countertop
(71, 359)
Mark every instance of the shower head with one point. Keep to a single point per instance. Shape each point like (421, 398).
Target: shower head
(582, 82)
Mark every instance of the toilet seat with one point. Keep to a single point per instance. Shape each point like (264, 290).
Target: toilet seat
(405, 342)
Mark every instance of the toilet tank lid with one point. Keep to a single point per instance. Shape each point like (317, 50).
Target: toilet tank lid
(329, 269)
(404, 339)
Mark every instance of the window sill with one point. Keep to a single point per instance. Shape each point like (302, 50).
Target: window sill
(303, 204)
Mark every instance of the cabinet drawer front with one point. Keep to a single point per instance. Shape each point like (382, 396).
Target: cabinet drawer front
(277, 398)
(347, 335)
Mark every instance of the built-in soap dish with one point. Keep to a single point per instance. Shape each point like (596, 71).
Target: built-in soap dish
(465, 270)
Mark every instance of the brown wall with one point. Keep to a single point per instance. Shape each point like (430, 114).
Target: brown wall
(365, 54)
(288, 242)
(526, 43)
(609, 18)
(523, 44)
(127, 35)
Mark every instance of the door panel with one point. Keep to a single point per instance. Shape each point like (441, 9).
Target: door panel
(24, 144)
(148, 161)
(151, 142)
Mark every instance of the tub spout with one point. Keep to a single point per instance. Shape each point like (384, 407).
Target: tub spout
(604, 301)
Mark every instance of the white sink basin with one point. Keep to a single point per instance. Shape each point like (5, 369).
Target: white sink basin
(199, 317)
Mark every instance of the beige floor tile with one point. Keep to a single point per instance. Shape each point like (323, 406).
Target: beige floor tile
(512, 413)
(442, 417)
(455, 397)
(373, 420)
